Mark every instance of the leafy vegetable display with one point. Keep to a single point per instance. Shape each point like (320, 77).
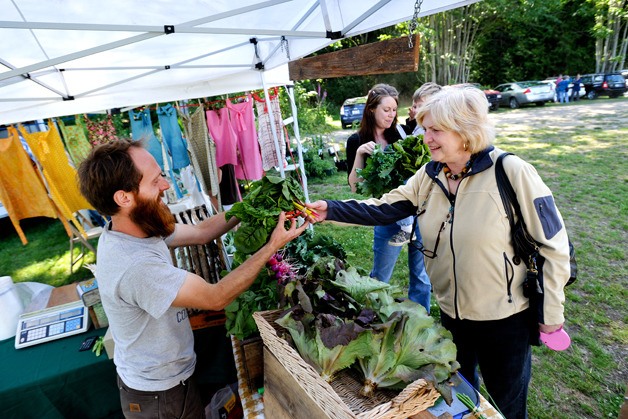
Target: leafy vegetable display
(386, 169)
(340, 319)
(259, 210)
(258, 213)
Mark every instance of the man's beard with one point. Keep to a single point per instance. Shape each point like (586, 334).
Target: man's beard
(153, 217)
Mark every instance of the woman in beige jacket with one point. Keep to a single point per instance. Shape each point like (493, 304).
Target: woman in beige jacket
(467, 243)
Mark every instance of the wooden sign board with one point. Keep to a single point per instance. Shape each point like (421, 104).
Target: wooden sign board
(384, 57)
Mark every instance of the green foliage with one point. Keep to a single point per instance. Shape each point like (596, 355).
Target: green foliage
(311, 108)
(316, 161)
(379, 175)
(261, 296)
(518, 40)
(122, 124)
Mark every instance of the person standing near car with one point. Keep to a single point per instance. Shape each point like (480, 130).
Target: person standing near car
(468, 247)
(575, 90)
(379, 127)
(562, 89)
(144, 295)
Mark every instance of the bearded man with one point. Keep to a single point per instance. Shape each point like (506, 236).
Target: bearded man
(144, 296)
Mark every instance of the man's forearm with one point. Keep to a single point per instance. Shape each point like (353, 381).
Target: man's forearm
(241, 278)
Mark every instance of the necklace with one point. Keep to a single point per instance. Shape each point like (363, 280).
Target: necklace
(460, 175)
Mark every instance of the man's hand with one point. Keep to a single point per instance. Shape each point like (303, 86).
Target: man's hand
(280, 236)
(320, 207)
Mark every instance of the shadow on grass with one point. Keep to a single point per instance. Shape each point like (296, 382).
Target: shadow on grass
(46, 256)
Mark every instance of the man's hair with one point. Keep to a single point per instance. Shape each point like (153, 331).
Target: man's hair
(464, 111)
(425, 91)
(108, 169)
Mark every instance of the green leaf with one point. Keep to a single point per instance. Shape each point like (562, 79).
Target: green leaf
(248, 239)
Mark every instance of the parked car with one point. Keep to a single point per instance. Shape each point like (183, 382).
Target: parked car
(624, 74)
(352, 110)
(521, 93)
(604, 84)
(493, 96)
(552, 82)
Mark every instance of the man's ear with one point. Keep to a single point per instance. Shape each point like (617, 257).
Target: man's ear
(123, 199)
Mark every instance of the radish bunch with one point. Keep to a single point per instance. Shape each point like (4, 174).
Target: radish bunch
(284, 272)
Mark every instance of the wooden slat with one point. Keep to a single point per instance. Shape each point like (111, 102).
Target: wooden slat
(384, 57)
(284, 398)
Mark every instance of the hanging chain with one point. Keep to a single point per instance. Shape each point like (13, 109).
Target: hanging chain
(284, 46)
(414, 22)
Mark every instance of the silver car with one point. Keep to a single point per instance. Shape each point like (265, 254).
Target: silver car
(521, 93)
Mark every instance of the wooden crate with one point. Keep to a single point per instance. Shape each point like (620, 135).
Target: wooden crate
(252, 361)
(293, 389)
(250, 397)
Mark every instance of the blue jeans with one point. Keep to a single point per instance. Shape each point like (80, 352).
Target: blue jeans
(405, 221)
(385, 257)
(501, 348)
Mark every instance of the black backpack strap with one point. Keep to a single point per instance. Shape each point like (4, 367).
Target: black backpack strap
(526, 248)
(506, 192)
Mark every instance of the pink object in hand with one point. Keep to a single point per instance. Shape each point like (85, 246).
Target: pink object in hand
(558, 340)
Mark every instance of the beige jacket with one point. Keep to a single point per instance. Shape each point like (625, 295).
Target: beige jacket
(473, 275)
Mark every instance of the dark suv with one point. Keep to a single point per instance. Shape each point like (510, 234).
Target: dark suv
(604, 84)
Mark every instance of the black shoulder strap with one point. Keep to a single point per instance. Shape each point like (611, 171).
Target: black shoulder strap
(506, 192)
(525, 246)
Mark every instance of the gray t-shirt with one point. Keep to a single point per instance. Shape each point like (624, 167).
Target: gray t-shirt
(154, 344)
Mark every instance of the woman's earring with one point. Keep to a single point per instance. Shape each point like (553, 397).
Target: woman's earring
(465, 146)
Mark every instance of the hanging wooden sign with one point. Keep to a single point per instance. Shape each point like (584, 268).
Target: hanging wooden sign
(384, 57)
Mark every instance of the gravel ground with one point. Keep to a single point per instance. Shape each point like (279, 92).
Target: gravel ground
(600, 113)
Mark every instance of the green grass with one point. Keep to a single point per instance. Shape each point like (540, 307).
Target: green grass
(46, 257)
(584, 165)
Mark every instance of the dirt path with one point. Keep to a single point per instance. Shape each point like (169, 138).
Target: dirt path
(607, 114)
(601, 114)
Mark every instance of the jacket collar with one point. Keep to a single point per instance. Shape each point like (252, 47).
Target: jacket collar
(482, 162)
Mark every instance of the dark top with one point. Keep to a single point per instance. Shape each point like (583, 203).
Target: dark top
(228, 185)
(354, 141)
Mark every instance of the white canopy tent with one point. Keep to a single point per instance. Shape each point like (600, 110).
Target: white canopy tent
(65, 57)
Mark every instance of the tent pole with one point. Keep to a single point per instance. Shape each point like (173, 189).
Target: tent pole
(297, 135)
(272, 125)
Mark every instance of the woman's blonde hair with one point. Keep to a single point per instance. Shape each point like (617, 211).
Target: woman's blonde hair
(463, 110)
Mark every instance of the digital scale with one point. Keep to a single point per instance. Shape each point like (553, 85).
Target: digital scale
(51, 323)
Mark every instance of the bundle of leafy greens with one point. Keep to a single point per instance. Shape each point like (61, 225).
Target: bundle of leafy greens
(387, 169)
(340, 318)
(407, 347)
(328, 343)
(259, 210)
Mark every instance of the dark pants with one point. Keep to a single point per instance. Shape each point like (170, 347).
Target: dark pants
(181, 401)
(501, 348)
